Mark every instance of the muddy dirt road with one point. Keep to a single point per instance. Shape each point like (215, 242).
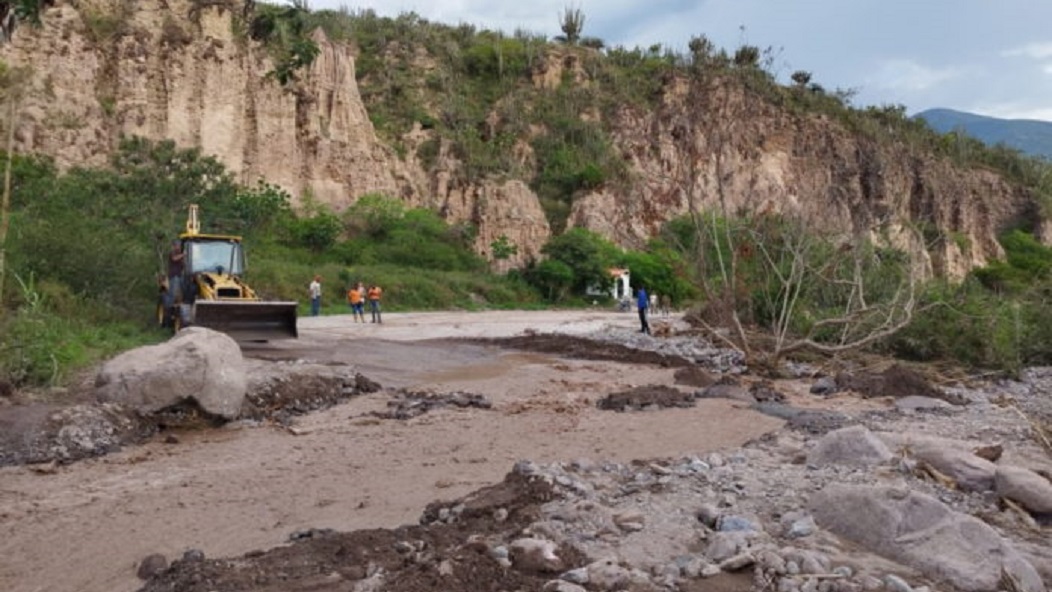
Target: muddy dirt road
(87, 525)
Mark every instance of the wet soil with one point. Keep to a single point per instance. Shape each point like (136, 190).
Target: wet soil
(330, 482)
(586, 349)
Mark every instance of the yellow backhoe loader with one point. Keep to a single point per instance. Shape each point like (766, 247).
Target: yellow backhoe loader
(211, 292)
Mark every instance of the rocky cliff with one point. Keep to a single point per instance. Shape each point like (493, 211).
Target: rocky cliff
(178, 69)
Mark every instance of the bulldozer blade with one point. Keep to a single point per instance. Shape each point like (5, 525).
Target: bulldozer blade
(248, 321)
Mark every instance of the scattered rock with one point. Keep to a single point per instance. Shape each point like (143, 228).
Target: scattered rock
(952, 458)
(765, 392)
(923, 533)
(737, 562)
(1025, 487)
(825, 385)
(915, 403)
(407, 404)
(726, 391)
(853, 446)
(151, 565)
(535, 555)
(991, 453)
(606, 574)
(646, 397)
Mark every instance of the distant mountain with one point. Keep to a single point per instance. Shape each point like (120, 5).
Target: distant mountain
(1030, 136)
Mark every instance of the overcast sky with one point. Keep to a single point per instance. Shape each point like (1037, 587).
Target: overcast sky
(992, 57)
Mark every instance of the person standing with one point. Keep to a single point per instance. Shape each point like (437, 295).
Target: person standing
(642, 303)
(374, 294)
(176, 266)
(357, 301)
(315, 296)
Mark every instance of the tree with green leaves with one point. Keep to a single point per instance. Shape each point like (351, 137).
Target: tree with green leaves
(286, 30)
(503, 248)
(587, 254)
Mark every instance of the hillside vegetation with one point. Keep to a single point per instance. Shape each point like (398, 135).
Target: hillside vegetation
(85, 245)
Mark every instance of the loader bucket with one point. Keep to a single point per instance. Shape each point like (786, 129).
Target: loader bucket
(248, 320)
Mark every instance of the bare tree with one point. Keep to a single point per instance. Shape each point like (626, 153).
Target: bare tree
(771, 285)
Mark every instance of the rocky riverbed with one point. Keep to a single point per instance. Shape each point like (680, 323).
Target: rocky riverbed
(849, 480)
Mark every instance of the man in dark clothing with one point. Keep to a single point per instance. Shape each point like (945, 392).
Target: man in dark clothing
(176, 264)
(642, 303)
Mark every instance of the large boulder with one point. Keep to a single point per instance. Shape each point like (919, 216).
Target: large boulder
(1025, 487)
(853, 446)
(953, 458)
(920, 531)
(197, 363)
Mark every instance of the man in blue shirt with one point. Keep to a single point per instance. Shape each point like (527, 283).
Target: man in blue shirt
(643, 302)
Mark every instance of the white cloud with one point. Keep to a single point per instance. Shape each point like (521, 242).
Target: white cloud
(1015, 110)
(1037, 51)
(910, 76)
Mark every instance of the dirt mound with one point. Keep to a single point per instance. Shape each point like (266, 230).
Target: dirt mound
(586, 349)
(646, 397)
(896, 381)
(282, 396)
(450, 550)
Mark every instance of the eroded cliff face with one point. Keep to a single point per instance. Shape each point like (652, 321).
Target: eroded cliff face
(176, 69)
(763, 159)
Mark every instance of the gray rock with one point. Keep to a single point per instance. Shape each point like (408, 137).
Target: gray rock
(921, 532)
(726, 391)
(576, 576)
(918, 403)
(737, 562)
(151, 565)
(731, 523)
(710, 571)
(708, 514)
(561, 586)
(606, 574)
(802, 527)
(870, 583)
(199, 364)
(852, 446)
(896, 584)
(692, 566)
(771, 561)
(955, 460)
(1025, 487)
(825, 385)
(532, 554)
(724, 545)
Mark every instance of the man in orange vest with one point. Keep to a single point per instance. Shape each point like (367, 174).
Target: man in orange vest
(374, 302)
(357, 301)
